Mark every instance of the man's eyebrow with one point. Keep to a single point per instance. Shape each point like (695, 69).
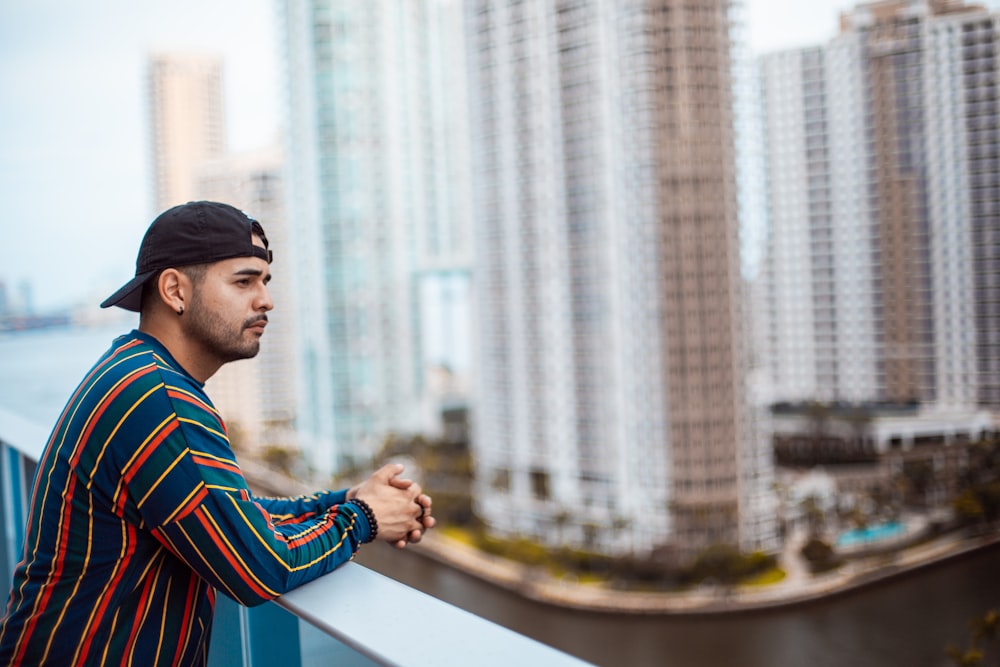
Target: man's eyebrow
(252, 272)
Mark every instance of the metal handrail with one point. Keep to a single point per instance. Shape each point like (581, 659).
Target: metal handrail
(378, 620)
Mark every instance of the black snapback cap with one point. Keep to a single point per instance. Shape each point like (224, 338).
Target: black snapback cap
(199, 232)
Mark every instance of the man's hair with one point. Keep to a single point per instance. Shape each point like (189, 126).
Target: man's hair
(194, 272)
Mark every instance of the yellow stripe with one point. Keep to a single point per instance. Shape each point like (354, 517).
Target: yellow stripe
(204, 427)
(138, 451)
(149, 604)
(76, 588)
(163, 622)
(184, 502)
(173, 464)
(113, 576)
(278, 558)
(48, 482)
(208, 406)
(221, 582)
(115, 430)
(237, 555)
(227, 489)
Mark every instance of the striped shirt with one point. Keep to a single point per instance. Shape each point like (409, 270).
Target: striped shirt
(139, 513)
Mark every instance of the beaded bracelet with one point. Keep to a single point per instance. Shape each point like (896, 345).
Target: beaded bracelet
(369, 514)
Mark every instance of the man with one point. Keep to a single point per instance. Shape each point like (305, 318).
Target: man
(139, 510)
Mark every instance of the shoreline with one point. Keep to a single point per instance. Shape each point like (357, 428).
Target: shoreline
(855, 575)
(798, 588)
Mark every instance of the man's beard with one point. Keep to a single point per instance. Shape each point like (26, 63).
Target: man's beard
(221, 339)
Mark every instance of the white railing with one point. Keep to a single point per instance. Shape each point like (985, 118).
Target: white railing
(353, 616)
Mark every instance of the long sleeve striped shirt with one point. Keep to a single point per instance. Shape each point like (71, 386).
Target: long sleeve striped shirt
(139, 513)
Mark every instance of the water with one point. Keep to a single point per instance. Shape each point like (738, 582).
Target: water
(907, 622)
(870, 534)
(40, 369)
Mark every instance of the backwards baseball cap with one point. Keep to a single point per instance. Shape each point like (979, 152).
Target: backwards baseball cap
(200, 232)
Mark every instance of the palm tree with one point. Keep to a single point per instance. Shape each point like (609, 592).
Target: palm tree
(971, 657)
(986, 628)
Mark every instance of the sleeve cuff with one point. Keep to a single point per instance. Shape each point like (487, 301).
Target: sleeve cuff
(365, 525)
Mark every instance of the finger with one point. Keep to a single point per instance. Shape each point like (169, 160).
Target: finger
(429, 522)
(400, 482)
(389, 471)
(399, 544)
(414, 536)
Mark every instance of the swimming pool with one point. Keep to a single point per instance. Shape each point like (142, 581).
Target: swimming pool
(869, 534)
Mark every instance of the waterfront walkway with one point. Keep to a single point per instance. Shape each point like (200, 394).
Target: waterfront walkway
(798, 586)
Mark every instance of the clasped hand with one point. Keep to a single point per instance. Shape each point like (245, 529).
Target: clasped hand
(401, 508)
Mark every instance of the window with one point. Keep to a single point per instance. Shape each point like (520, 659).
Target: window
(540, 485)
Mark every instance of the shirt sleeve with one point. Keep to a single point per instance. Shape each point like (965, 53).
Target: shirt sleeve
(185, 487)
(233, 543)
(293, 509)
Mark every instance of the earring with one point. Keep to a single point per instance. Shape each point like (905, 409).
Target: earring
(180, 311)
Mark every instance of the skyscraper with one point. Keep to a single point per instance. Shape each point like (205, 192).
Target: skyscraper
(611, 411)
(187, 121)
(256, 397)
(883, 184)
(378, 210)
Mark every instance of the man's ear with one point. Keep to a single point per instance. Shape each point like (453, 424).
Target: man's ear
(174, 289)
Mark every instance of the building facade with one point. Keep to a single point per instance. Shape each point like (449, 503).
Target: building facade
(378, 208)
(257, 397)
(611, 411)
(187, 121)
(882, 190)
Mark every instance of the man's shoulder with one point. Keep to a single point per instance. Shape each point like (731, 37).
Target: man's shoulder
(148, 374)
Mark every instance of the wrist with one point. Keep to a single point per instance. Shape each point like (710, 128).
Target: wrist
(366, 511)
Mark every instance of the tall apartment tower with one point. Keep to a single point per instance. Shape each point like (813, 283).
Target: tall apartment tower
(257, 397)
(378, 209)
(187, 121)
(612, 411)
(882, 150)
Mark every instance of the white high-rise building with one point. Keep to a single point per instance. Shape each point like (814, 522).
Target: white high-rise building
(257, 397)
(187, 121)
(883, 179)
(378, 212)
(612, 410)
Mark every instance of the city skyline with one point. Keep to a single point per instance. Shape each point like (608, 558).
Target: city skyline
(75, 172)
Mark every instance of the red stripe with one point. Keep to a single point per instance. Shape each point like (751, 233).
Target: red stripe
(149, 450)
(185, 631)
(224, 550)
(191, 505)
(95, 416)
(122, 568)
(68, 513)
(296, 542)
(137, 621)
(198, 403)
(212, 463)
(49, 447)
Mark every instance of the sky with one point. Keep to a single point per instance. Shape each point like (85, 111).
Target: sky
(75, 166)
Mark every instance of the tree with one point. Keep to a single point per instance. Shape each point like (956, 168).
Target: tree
(985, 628)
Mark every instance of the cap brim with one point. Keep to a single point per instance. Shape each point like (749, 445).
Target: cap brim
(129, 295)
